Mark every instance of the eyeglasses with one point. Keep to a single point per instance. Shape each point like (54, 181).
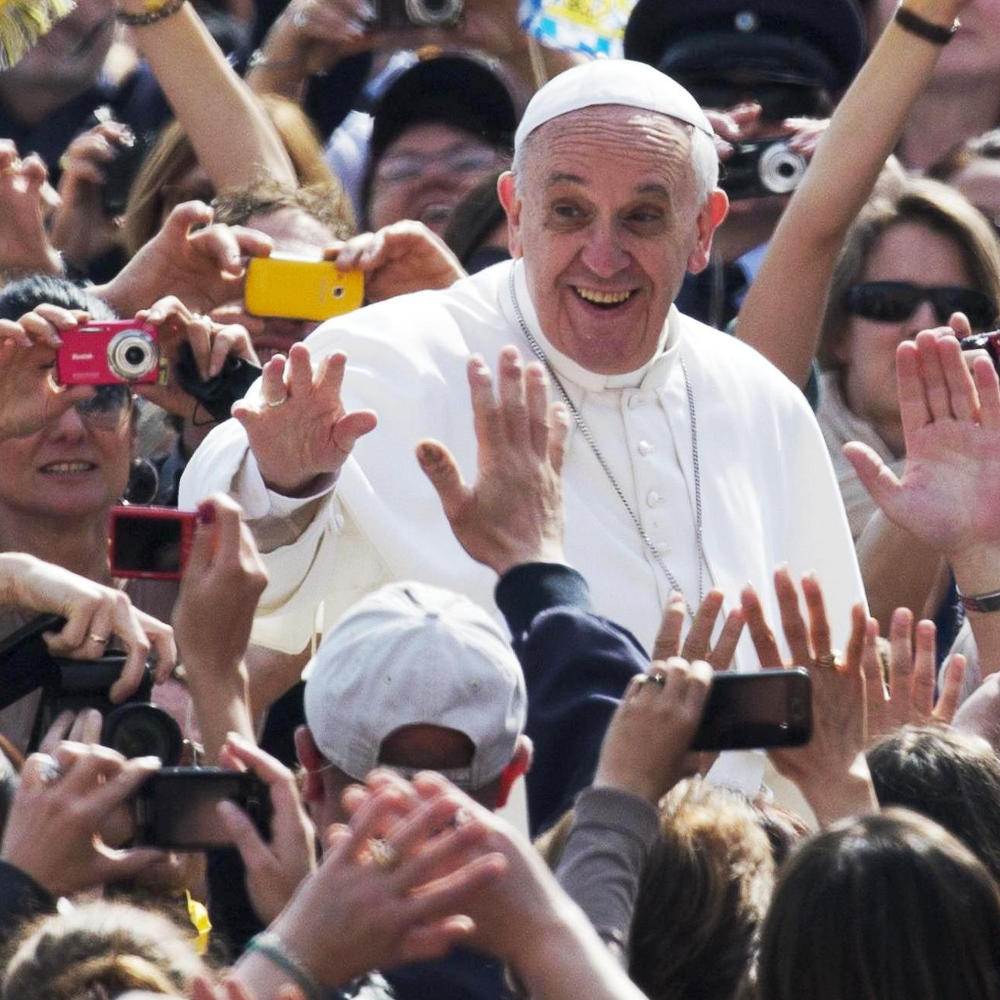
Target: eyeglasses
(464, 160)
(896, 301)
(107, 409)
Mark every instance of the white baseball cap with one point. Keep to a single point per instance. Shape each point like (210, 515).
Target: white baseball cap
(610, 81)
(412, 654)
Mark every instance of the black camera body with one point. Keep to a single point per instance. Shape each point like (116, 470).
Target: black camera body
(396, 14)
(988, 342)
(760, 169)
(135, 727)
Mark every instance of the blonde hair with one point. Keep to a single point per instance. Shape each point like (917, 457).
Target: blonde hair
(173, 156)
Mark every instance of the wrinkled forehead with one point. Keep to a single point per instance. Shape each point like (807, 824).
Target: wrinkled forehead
(610, 130)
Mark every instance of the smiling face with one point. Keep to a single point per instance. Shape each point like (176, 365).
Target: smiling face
(69, 470)
(907, 251)
(606, 215)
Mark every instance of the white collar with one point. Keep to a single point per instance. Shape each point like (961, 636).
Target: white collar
(565, 366)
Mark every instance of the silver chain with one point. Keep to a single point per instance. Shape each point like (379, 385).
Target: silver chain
(602, 461)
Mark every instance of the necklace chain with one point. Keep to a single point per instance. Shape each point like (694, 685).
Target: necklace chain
(588, 436)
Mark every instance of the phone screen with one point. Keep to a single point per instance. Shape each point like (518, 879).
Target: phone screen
(150, 541)
(176, 807)
(748, 711)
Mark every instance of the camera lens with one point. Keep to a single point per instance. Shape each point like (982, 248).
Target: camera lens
(781, 170)
(143, 730)
(132, 354)
(442, 13)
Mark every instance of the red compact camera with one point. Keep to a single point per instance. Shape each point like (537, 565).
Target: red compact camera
(109, 353)
(150, 542)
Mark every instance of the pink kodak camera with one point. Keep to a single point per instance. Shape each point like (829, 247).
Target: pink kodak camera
(109, 353)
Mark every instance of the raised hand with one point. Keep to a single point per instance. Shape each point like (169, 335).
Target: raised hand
(399, 258)
(951, 424)
(53, 830)
(830, 770)
(29, 395)
(273, 869)
(513, 513)
(298, 428)
(93, 614)
(80, 228)
(222, 583)
(26, 201)
(211, 344)
(393, 887)
(697, 643)
(202, 264)
(645, 749)
(905, 696)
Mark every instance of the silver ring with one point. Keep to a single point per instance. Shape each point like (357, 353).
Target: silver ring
(50, 772)
(827, 660)
(658, 679)
(277, 402)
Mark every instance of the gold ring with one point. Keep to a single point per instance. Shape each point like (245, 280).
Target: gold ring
(102, 639)
(383, 854)
(277, 402)
(827, 660)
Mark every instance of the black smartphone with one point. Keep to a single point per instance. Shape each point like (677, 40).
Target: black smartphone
(175, 807)
(770, 708)
(150, 542)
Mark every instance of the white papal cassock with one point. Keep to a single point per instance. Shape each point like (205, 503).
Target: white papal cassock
(769, 493)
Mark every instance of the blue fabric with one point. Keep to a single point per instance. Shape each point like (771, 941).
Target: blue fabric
(576, 666)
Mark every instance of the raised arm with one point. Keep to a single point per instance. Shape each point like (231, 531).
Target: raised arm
(783, 311)
(229, 129)
(947, 494)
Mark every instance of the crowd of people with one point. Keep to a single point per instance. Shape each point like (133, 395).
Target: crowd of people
(667, 367)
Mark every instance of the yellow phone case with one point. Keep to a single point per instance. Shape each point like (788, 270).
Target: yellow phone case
(296, 288)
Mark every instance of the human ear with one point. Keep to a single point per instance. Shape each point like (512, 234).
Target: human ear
(312, 761)
(519, 765)
(507, 193)
(709, 219)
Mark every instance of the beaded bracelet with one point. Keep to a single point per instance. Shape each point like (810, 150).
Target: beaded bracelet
(158, 10)
(936, 34)
(273, 949)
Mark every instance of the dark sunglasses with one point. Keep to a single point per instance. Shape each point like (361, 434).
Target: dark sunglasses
(896, 301)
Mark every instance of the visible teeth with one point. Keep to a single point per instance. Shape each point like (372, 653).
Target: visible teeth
(602, 298)
(68, 467)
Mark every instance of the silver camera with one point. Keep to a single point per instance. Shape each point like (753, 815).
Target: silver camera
(758, 169)
(395, 14)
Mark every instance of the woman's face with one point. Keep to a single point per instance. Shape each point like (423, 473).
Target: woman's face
(75, 467)
(910, 252)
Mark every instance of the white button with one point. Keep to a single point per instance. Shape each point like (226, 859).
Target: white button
(653, 498)
(644, 447)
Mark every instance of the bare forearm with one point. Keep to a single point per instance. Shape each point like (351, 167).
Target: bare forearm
(784, 308)
(899, 571)
(837, 796)
(222, 706)
(230, 131)
(569, 961)
(977, 572)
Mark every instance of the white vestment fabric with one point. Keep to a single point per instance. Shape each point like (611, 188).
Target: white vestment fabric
(768, 491)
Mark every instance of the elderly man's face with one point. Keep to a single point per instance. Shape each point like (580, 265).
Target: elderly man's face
(608, 220)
